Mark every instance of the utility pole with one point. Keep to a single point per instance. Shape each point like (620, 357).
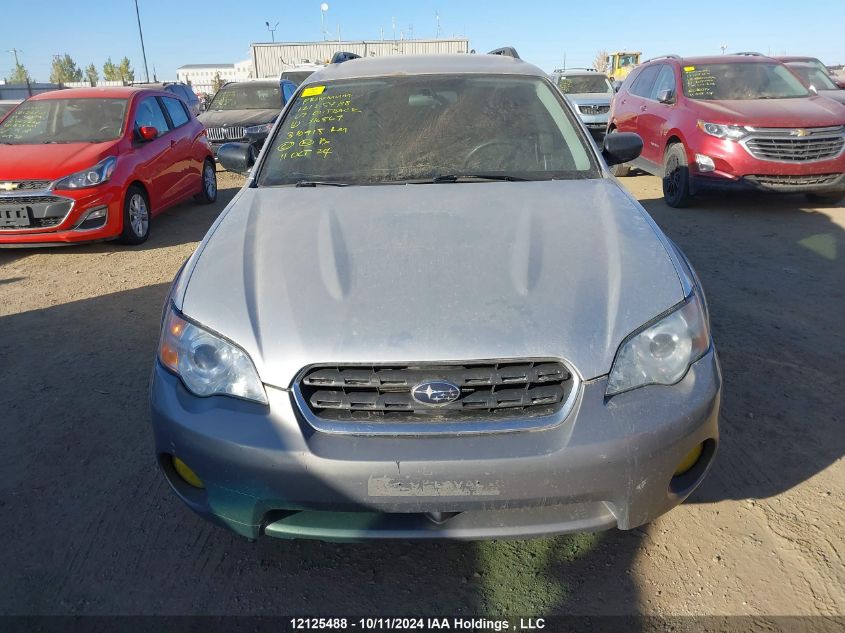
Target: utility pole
(437, 17)
(15, 52)
(143, 50)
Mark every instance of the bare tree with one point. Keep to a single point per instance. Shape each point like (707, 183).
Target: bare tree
(600, 61)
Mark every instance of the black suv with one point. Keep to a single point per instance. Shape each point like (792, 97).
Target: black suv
(244, 111)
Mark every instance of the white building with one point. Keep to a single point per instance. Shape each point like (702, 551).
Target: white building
(201, 77)
(270, 59)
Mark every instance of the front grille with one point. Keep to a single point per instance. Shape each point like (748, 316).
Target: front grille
(29, 200)
(796, 181)
(226, 133)
(43, 211)
(796, 145)
(594, 109)
(492, 390)
(27, 185)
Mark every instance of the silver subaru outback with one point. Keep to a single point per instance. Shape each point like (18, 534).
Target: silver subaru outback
(432, 313)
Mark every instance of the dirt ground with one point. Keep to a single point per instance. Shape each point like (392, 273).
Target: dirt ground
(90, 527)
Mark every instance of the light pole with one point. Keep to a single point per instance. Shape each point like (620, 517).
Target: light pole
(724, 47)
(272, 30)
(141, 33)
(323, 8)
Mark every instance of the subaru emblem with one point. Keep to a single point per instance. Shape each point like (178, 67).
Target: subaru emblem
(435, 393)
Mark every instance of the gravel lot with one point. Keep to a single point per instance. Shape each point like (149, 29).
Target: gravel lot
(90, 527)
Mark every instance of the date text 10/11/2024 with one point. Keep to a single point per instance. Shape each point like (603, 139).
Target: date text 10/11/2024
(417, 624)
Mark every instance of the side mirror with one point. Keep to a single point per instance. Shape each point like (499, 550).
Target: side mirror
(616, 86)
(621, 147)
(666, 96)
(237, 157)
(148, 133)
(813, 90)
(840, 83)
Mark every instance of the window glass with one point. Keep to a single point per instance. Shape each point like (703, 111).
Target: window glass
(642, 85)
(149, 114)
(741, 81)
(665, 81)
(288, 90)
(394, 129)
(176, 110)
(91, 120)
(583, 84)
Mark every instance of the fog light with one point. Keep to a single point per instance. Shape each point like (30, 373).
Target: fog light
(690, 460)
(94, 219)
(704, 163)
(188, 475)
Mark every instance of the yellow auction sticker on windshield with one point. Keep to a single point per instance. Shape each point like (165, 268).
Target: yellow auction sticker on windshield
(689, 69)
(313, 91)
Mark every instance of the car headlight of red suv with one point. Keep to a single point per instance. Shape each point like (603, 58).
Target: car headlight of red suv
(729, 132)
(91, 177)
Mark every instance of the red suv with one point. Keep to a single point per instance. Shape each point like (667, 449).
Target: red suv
(95, 164)
(731, 122)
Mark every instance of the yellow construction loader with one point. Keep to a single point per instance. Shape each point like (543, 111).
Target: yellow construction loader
(620, 64)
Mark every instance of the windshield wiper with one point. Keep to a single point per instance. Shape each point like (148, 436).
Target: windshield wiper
(321, 183)
(459, 177)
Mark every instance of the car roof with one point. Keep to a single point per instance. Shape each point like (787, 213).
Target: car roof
(796, 58)
(715, 59)
(119, 92)
(578, 71)
(426, 65)
(253, 82)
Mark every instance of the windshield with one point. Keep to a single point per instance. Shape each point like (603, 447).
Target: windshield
(5, 107)
(64, 121)
(247, 96)
(812, 76)
(297, 76)
(741, 81)
(396, 129)
(580, 84)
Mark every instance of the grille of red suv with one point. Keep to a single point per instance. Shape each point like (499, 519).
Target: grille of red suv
(492, 390)
(30, 185)
(795, 181)
(796, 145)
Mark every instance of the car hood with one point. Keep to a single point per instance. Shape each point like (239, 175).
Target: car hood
(436, 272)
(50, 161)
(244, 118)
(800, 112)
(836, 95)
(599, 98)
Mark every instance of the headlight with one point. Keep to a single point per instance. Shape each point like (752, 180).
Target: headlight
(259, 129)
(96, 175)
(730, 132)
(207, 364)
(661, 353)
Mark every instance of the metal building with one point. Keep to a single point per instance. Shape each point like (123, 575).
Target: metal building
(270, 59)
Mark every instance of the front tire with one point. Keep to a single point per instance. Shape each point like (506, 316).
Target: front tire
(208, 193)
(136, 216)
(676, 186)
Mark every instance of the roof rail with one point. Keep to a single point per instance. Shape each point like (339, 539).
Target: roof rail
(565, 70)
(670, 56)
(505, 51)
(343, 56)
(750, 54)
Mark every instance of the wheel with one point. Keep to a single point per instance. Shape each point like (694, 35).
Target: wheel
(136, 216)
(676, 190)
(825, 198)
(620, 171)
(208, 193)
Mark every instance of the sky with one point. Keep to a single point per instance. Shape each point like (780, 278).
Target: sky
(545, 33)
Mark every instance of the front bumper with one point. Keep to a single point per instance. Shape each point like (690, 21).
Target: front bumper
(57, 224)
(610, 463)
(823, 183)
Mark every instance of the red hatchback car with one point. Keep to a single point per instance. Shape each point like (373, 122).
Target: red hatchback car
(95, 164)
(731, 122)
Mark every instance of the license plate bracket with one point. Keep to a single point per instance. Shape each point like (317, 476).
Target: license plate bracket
(14, 215)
